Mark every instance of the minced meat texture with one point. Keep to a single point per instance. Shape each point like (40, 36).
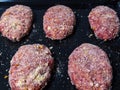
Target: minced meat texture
(16, 22)
(58, 22)
(89, 68)
(30, 67)
(104, 22)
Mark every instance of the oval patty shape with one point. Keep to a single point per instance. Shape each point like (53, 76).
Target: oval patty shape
(16, 22)
(105, 22)
(58, 22)
(30, 67)
(89, 68)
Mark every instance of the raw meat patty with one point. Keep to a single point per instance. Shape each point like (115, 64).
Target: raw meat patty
(30, 68)
(58, 22)
(15, 22)
(104, 22)
(89, 68)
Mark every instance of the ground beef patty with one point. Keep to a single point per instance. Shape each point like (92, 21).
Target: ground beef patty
(105, 22)
(58, 22)
(15, 22)
(89, 68)
(30, 67)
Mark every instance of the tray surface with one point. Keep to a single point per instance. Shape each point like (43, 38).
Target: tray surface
(61, 49)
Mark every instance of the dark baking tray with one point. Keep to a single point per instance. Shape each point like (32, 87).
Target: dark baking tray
(61, 49)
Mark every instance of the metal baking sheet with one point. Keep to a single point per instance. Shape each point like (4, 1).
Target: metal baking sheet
(60, 49)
